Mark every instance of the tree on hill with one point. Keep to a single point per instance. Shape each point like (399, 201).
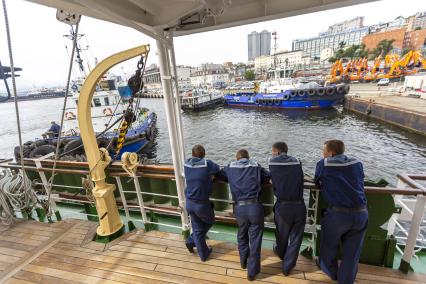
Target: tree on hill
(351, 52)
(249, 75)
(383, 48)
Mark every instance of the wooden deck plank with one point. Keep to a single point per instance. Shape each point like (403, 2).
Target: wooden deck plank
(9, 259)
(12, 252)
(66, 275)
(40, 278)
(23, 247)
(26, 236)
(24, 241)
(31, 231)
(292, 278)
(92, 272)
(138, 269)
(18, 281)
(135, 260)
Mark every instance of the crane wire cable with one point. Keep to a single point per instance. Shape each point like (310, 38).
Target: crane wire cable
(15, 190)
(12, 69)
(58, 142)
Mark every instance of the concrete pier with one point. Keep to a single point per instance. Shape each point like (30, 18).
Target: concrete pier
(386, 105)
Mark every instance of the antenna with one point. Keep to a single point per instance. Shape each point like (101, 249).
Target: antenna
(275, 36)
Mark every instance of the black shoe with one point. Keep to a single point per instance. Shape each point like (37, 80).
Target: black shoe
(190, 247)
(244, 264)
(250, 278)
(208, 254)
(316, 259)
(275, 249)
(286, 273)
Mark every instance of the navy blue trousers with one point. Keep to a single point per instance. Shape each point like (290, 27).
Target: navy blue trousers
(290, 220)
(202, 219)
(347, 230)
(250, 232)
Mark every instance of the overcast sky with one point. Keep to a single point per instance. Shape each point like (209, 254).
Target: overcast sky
(39, 45)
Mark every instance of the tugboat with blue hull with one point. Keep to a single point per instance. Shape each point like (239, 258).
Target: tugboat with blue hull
(303, 96)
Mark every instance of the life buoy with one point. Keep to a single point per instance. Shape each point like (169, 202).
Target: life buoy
(311, 92)
(292, 93)
(107, 111)
(301, 92)
(286, 97)
(321, 91)
(70, 115)
(330, 90)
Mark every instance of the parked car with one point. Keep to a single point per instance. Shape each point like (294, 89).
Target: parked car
(383, 82)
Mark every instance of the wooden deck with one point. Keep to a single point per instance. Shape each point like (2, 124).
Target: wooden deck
(32, 252)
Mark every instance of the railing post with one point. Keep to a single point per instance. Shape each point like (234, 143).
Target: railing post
(419, 211)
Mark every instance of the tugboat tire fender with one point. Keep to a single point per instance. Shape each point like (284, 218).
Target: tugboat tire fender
(340, 89)
(346, 89)
(321, 91)
(301, 92)
(330, 90)
(74, 147)
(42, 150)
(311, 92)
(286, 97)
(292, 93)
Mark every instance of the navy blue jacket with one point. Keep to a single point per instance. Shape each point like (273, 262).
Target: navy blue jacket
(341, 180)
(245, 178)
(287, 177)
(55, 128)
(198, 175)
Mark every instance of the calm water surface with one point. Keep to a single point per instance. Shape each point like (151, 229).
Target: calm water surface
(385, 150)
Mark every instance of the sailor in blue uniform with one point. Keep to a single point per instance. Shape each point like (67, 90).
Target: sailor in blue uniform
(54, 128)
(289, 210)
(341, 180)
(245, 177)
(199, 173)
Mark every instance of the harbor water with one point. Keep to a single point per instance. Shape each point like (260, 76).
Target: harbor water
(384, 149)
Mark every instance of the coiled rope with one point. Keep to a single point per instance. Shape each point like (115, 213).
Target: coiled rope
(16, 193)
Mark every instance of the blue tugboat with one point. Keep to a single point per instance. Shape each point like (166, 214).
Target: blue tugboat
(287, 96)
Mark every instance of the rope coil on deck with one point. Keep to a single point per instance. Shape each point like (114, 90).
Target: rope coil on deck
(16, 193)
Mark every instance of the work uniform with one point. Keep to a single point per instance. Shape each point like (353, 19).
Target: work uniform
(198, 174)
(55, 129)
(345, 221)
(289, 209)
(245, 178)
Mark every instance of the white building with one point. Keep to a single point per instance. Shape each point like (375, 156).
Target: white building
(326, 54)
(152, 76)
(209, 77)
(281, 59)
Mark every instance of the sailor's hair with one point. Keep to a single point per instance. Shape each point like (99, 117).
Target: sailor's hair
(198, 151)
(335, 146)
(281, 147)
(242, 153)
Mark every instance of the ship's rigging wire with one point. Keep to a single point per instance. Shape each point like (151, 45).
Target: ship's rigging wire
(16, 190)
(58, 142)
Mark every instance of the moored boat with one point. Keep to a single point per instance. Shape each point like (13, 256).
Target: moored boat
(286, 96)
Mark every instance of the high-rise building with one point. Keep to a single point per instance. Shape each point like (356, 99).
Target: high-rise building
(350, 32)
(258, 44)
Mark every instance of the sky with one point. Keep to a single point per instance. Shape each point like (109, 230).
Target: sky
(39, 45)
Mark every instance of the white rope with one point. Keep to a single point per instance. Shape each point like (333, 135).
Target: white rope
(16, 193)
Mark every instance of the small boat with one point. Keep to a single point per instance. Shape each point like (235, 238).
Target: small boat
(286, 96)
(201, 99)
